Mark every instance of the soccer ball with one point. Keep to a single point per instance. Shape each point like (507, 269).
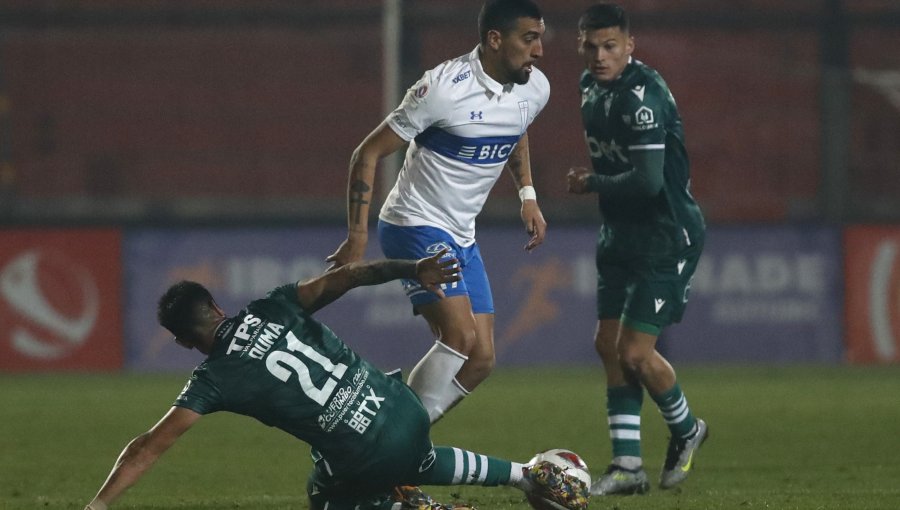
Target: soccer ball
(571, 464)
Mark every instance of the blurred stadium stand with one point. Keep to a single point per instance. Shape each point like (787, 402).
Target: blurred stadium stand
(145, 111)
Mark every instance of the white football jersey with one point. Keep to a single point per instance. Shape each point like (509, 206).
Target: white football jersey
(461, 126)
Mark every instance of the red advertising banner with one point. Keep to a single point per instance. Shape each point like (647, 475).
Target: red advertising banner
(60, 300)
(872, 276)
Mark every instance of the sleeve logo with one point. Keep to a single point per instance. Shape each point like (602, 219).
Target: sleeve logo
(644, 120)
(643, 116)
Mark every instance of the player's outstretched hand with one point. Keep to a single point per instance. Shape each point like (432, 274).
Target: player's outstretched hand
(432, 272)
(577, 180)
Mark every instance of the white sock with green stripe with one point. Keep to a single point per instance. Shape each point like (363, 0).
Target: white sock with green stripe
(455, 466)
(623, 408)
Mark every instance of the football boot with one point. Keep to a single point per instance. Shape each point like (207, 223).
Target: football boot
(680, 457)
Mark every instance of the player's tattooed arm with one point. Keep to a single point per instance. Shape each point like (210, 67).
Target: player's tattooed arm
(519, 163)
(359, 195)
(519, 166)
(431, 272)
(380, 142)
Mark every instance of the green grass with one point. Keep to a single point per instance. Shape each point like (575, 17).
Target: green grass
(781, 438)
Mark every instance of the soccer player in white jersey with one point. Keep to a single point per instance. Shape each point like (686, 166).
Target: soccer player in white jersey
(465, 121)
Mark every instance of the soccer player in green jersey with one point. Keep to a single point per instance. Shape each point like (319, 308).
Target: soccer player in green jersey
(648, 247)
(368, 431)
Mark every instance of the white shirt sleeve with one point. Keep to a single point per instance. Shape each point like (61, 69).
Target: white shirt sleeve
(422, 106)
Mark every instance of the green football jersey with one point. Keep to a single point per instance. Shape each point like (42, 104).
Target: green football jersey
(274, 362)
(637, 112)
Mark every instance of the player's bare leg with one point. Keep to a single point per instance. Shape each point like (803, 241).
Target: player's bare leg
(638, 353)
(625, 474)
(434, 377)
(482, 356)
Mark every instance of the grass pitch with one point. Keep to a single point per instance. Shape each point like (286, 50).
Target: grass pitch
(780, 438)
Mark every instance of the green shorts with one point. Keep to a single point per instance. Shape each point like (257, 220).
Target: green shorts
(394, 459)
(645, 292)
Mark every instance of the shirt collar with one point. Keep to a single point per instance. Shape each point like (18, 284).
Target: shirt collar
(493, 86)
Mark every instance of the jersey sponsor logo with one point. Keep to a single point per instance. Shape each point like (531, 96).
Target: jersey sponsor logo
(363, 416)
(254, 336)
(462, 77)
(243, 334)
(681, 264)
(603, 149)
(658, 304)
(477, 151)
(476, 116)
(399, 120)
(340, 406)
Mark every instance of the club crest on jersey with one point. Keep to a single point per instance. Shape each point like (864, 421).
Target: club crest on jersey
(644, 115)
(644, 119)
(523, 112)
(421, 91)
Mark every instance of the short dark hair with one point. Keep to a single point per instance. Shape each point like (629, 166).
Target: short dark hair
(501, 15)
(177, 308)
(603, 16)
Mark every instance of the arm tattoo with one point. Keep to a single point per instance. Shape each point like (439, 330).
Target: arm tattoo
(515, 167)
(374, 273)
(357, 189)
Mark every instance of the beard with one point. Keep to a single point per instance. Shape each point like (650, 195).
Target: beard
(519, 76)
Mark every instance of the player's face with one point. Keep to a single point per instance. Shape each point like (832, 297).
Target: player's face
(605, 52)
(520, 48)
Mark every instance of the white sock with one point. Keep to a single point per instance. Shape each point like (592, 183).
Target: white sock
(433, 380)
(628, 462)
(517, 480)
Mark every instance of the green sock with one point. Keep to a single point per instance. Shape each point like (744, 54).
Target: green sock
(455, 466)
(623, 408)
(675, 411)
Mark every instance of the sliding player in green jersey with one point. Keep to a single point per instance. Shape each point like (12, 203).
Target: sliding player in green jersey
(648, 247)
(369, 432)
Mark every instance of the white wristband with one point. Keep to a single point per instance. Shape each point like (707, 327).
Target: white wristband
(527, 193)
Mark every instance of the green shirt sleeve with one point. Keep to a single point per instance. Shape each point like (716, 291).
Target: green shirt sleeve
(645, 179)
(639, 115)
(200, 394)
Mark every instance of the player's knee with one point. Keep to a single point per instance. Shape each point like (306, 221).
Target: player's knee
(606, 348)
(461, 340)
(633, 358)
(483, 363)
